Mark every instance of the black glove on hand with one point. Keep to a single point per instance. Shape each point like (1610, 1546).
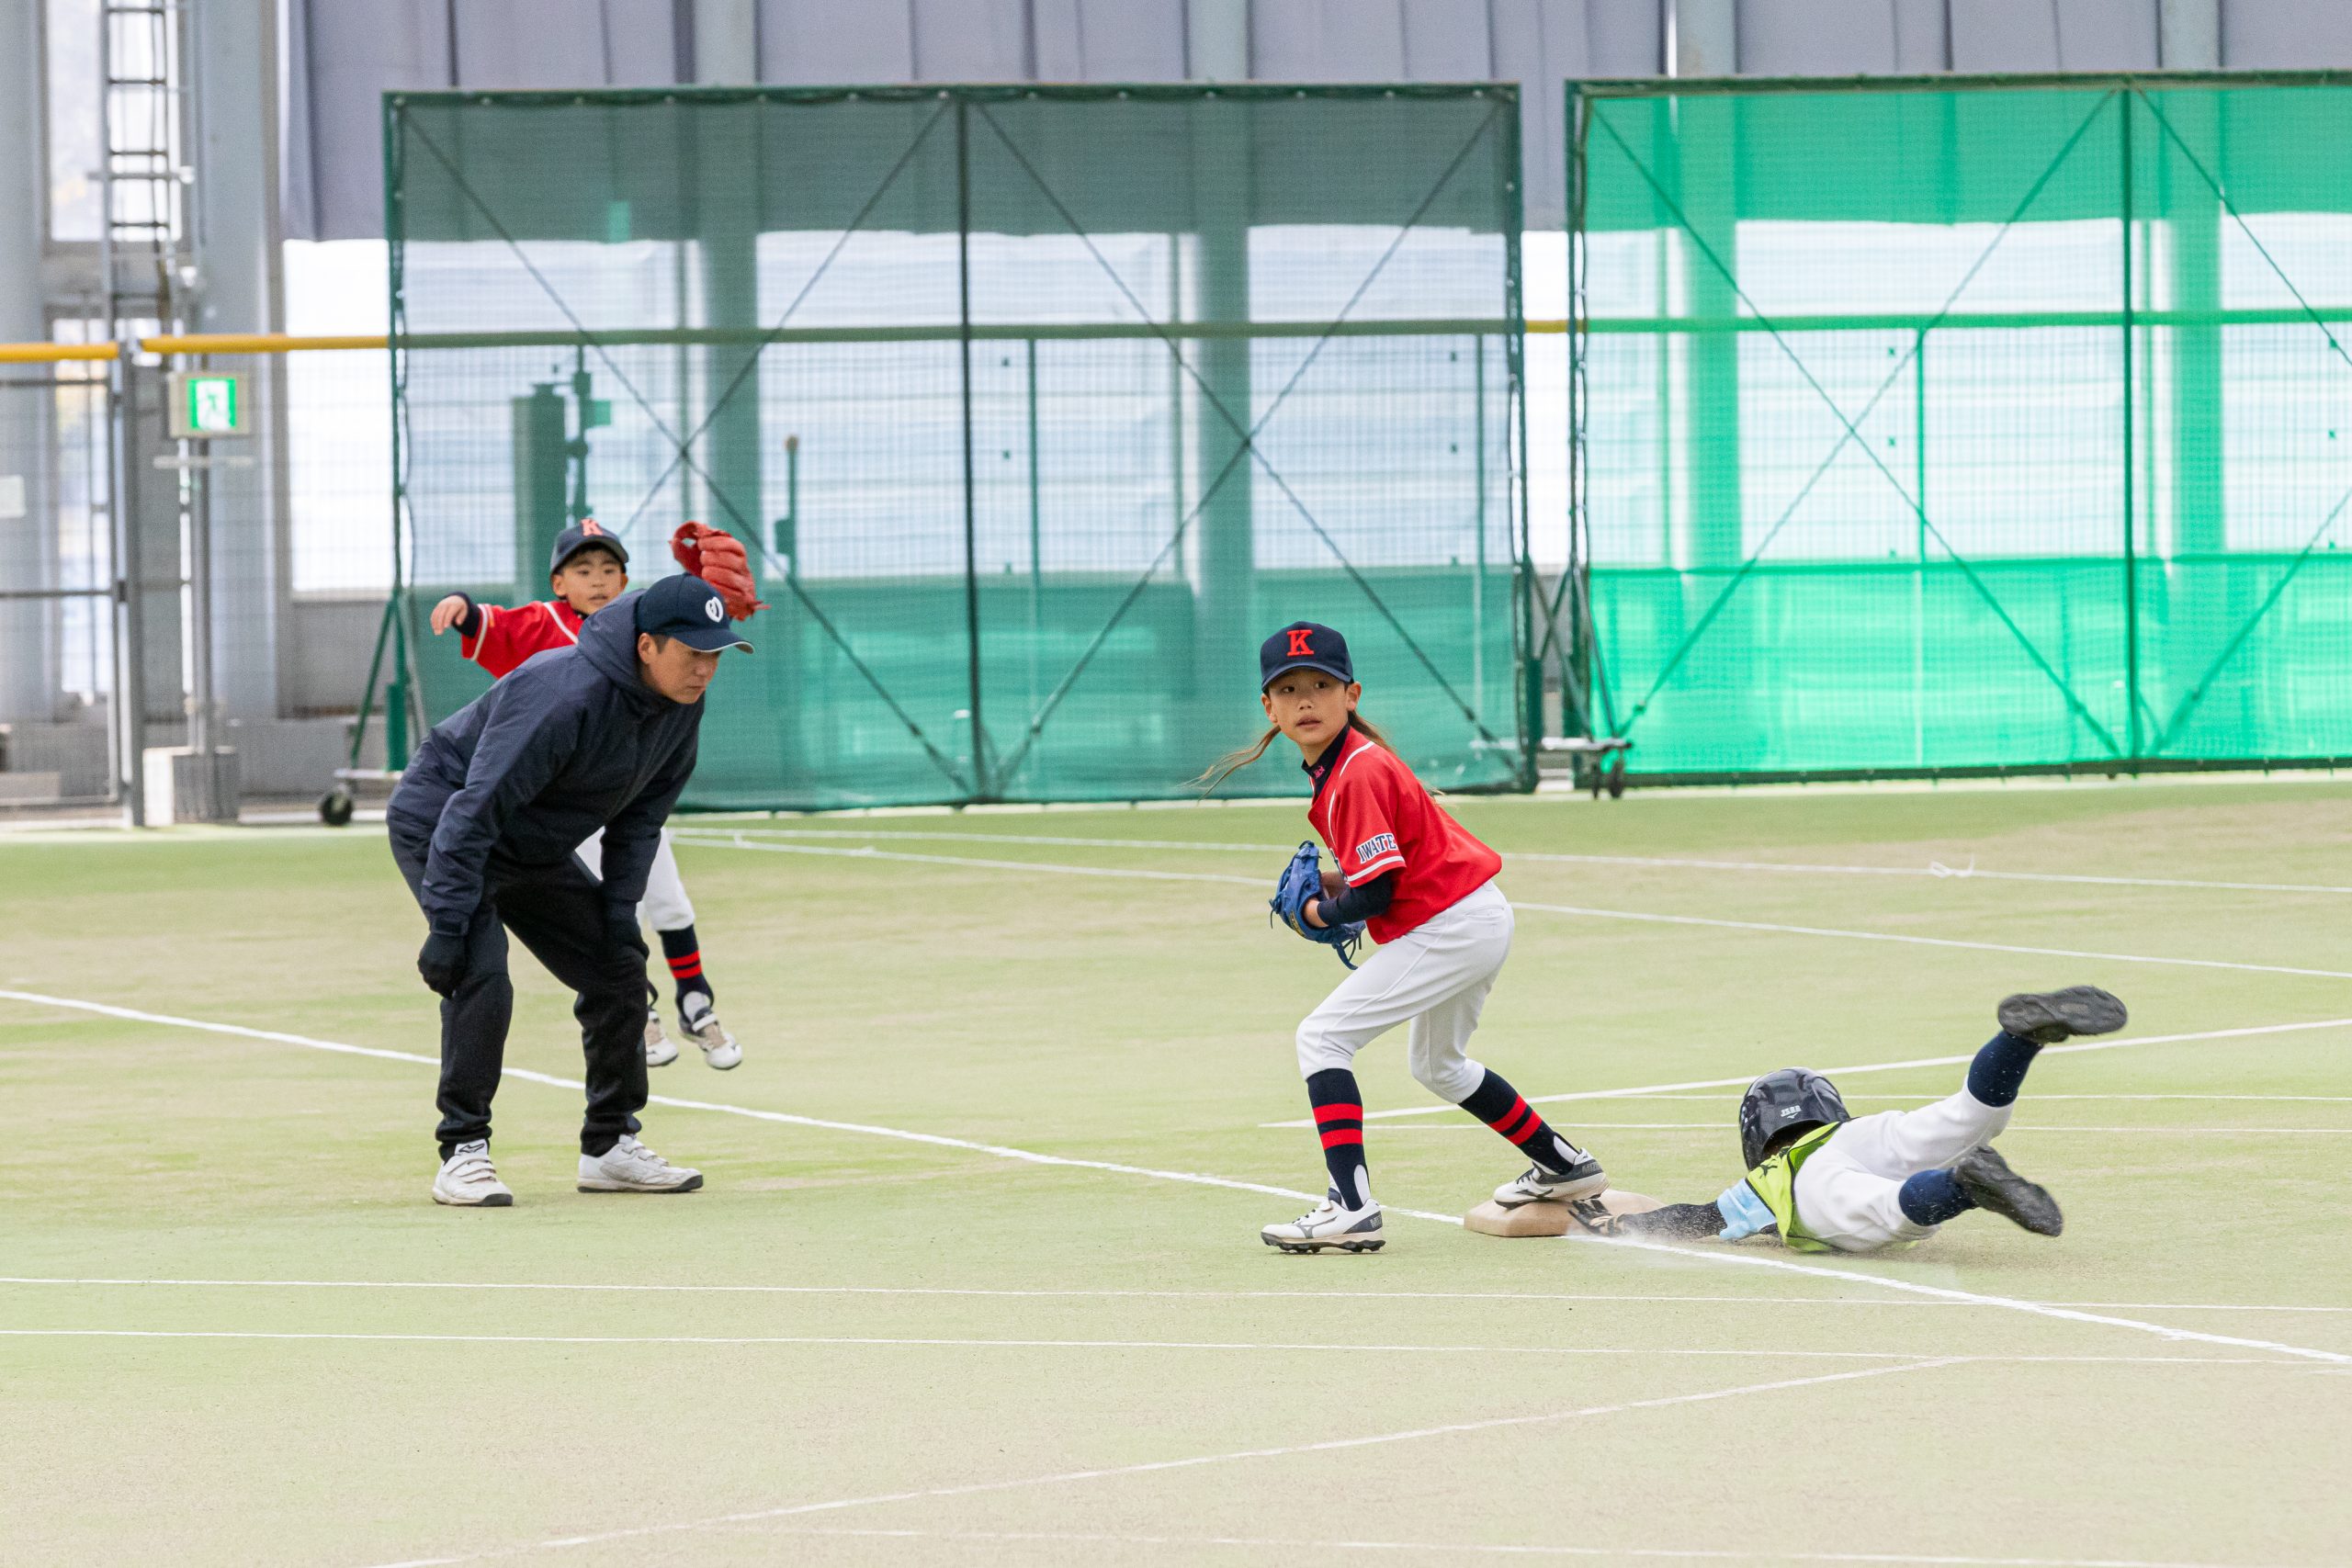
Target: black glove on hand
(621, 928)
(442, 960)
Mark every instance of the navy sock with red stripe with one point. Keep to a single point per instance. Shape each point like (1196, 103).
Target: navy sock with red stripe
(1339, 1118)
(683, 955)
(1499, 1105)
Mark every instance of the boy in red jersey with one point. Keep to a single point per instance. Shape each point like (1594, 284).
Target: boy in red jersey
(588, 570)
(1425, 889)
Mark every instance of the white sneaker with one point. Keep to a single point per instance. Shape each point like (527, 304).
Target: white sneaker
(467, 1180)
(1328, 1225)
(659, 1051)
(629, 1166)
(700, 1021)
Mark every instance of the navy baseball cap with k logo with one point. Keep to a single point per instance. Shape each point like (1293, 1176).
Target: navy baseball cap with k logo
(586, 534)
(1304, 644)
(689, 609)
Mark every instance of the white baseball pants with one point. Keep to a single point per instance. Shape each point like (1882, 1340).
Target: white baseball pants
(1435, 977)
(666, 907)
(1846, 1194)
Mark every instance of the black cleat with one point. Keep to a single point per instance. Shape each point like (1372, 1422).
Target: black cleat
(1991, 1185)
(2047, 1017)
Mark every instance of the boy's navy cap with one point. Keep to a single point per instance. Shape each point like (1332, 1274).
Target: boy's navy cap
(580, 537)
(689, 609)
(1303, 645)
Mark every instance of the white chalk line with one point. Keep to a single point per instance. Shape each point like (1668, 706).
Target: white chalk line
(2015, 1129)
(2039, 1098)
(1452, 1547)
(941, 1342)
(1776, 929)
(1934, 870)
(1060, 1478)
(637, 1287)
(1575, 911)
(999, 1151)
(1196, 1179)
(2078, 1047)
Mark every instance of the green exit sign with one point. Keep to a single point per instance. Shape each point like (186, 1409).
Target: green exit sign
(207, 404)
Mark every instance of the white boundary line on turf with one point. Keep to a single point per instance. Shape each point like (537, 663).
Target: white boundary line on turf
(2015, 1128)
(2215, 1099)
(1195, 1178)
(865, 1341)
(1455, 1548)
(999, 1151)
(1335, 1445)
(1575, 912)
(1934, 870)
(1327, 1296)
(1713, 922)
(2078, 1047)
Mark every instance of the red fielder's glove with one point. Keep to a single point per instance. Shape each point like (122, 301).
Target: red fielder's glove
(717, 556)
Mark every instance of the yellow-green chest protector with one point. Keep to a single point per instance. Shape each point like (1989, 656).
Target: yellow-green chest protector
(1775, 1181)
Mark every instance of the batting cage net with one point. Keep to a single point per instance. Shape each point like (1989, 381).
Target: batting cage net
(1037, 408)
(1968, 426)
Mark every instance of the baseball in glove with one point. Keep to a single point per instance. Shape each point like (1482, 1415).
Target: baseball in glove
(717, 556)
(1301, 880)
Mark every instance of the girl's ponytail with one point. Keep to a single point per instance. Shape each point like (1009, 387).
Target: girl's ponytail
(1224, 767)
(1216, 773)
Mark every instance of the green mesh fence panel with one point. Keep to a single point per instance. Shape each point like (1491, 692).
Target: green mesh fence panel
(1038, 408)
(1963, 425)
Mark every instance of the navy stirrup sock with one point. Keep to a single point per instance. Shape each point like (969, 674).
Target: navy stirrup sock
(1499, 1105)
(683, 951)
(1999, 1071)
(1339, 1118)
(1932, 1197)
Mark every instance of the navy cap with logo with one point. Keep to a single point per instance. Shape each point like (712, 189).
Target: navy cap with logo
(689, 609)
(1304, 644)
(586, 534)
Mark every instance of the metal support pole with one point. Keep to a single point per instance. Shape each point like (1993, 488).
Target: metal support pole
(2131, 412)
(971, 493)
(130, 672)
(1036, 533)
(1919, 557)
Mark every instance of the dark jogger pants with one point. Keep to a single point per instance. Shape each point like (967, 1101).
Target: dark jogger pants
(559, 913)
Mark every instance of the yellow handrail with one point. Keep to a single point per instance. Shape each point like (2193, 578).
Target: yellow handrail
(53, 352)
(253, 342)
(284, 343)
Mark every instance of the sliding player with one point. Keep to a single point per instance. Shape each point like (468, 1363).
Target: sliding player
(1828, 1182)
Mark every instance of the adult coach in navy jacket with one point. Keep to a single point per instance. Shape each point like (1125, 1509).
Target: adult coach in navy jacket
(483, 827)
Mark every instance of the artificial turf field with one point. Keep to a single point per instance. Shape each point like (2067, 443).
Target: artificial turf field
(236, 1329)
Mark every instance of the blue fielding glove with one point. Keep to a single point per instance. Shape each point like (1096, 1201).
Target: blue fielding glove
(1301, 881)
(1744, 1215)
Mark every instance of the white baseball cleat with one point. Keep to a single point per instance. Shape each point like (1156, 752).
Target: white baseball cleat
(700, 1021)
(660, 1050)
(629, 1166)
(467, 1181)
(1583, 1178)
(1328, 1225)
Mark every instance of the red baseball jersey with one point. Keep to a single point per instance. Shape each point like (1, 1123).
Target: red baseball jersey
(1377, 817)
(506, 637)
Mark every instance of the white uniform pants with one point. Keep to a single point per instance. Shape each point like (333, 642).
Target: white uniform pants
(1435, 977)
(666, 907)
(1846, 1191)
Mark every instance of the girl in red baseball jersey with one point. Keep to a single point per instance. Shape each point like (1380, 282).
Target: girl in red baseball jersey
(587, 571)
(1425, 889)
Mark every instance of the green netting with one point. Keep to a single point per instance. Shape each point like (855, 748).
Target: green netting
(1964, 426)
(971, 370)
